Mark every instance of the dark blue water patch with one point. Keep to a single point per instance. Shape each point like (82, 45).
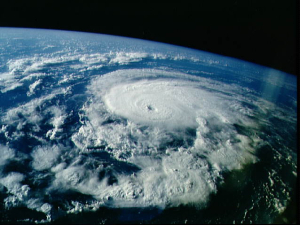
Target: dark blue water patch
(14, 98)
(287, 174)
(101, 216)
(248, 105)
(42, 109)
(281, 134)
(20, 166)
(21, 215)
(184, 66)
(19, 96)
(109, 162)
(278, 95)
(106, 215)
(274, 93)
(147, 63)
(111, 120)
(99, 72)
(3, 195)
(63, 199)
(92, 161)
(216, 73)
(287, 131)
(290, 214)
(120, 167)
(243, 130)
(76, 100)
(54, 66)
(111, 178)
(190, 132)
(138, 215)
(49, 81)
(176, 140)
(99, 147)
(53, 47)
(3, 138)
(7, 100)
(181, 138)
(273, 157)
(70, 126)
(38, 181)
(115, 67)
(26, 142)
(111, 168)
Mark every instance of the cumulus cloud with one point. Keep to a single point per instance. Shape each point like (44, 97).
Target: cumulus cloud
(44, 157)
(6, 154)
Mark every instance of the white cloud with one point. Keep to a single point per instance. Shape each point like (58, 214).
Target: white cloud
(6, 154)
(44, 157)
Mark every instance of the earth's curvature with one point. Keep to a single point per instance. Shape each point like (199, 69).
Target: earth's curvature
(104, 129)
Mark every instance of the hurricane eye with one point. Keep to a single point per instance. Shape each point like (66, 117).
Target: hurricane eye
(150, 108)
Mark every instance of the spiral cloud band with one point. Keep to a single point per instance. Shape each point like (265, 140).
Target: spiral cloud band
(171, 127)
(160, 103)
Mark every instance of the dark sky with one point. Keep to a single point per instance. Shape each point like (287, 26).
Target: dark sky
(263, 32)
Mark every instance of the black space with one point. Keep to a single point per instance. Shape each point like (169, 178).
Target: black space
(264, 32)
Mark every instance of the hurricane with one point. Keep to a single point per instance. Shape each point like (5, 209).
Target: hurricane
(170, 128)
